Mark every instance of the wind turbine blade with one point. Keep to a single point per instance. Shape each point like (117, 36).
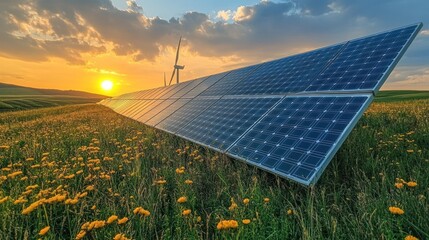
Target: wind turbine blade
(172, 76)
(177, 53)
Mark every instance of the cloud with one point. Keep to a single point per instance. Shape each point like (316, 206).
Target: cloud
(224, 15)
(38, 30)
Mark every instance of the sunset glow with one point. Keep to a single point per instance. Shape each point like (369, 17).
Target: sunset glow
(107, 85)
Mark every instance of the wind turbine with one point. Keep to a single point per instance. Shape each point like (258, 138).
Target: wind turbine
(177, 67)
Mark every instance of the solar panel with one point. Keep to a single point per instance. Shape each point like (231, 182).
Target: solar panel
(298, 135)
(288, 116)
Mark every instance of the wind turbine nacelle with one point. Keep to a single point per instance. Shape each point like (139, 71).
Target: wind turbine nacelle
(179, 67)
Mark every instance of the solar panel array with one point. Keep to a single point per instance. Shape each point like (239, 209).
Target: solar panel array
(288, 116)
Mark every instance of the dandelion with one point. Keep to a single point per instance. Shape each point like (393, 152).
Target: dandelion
(411, 184)
(112, 219)
(186, 212)
(120, 237)
(93, 207)
(189, 182)
(95, 224)
(396, 210)
(180, 170)
(246, 201)
(198, 219)
(90, 188)
(14, 174)
(3, 200)
(233, 205)
(182, 200)
(142, 211)
(122, 220)
(410, 151)
(399, 185)
(161, 182)
(410, 237)
(44, 230)
(227, 224)
(81, 234)
(246, 221)
(20, 200)
(266, 200)
(290, 212)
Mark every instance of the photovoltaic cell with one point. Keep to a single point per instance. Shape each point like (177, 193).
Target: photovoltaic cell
(287, 116)
(227, 84)
(363, 64)
(189, 86)
(287, 75)
(167, 111)
(185, 114)
(296, 136)
(204, 84)
(225, 121)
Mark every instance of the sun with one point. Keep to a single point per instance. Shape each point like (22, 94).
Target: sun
(107, 85)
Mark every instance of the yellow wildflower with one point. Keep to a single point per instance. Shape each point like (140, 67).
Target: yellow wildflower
(246, 201)
(266, 200)
(44, 230)
(410, 151)
(246, 221)
(90, 188)
(14, 174)
(182, 200)
(81, 234)
(160, 182)
(180, 170)
(122, 220)
(112, 219)
(290, 212)
(411, 184)
(399, 185)
(20, 200)
(120, 237)
(410, 237)
(186, 212)
(189, 182)
(233, 205)
(142, 211)
(396, 210)
(227, 224)
(3, 200)
(95, 224)
(93, 207)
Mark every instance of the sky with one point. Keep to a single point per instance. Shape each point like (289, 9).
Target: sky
(77, 44)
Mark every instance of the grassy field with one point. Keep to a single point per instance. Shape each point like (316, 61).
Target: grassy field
(24, 102)
(75, 169)
(398, 95)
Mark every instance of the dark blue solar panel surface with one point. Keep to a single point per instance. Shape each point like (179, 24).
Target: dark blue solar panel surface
(167, 111)
(185, 114)
(364, 62)
(204, 84)
(291, 74)
(189, 86)
(227, 84)
(226, 120)
(287, 116)
(295, 137)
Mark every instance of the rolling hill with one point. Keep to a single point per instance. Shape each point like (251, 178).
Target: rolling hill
(14, 97)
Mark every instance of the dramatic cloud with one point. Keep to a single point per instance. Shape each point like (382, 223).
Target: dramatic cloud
(38, 30)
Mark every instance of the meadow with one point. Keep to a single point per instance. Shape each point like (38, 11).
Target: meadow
(85, 172)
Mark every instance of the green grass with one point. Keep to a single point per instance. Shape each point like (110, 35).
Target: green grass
(398, 95)
(25, 102)
(350, 201)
